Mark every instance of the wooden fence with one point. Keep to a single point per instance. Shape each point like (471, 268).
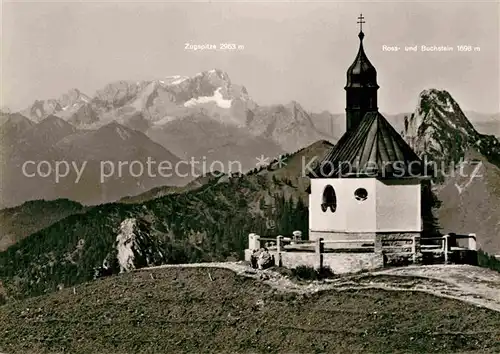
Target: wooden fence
(413, 247)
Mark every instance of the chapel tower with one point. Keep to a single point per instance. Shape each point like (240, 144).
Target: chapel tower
(368, 185)
(361, 88)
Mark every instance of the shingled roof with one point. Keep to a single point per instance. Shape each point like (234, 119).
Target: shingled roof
(373, 149)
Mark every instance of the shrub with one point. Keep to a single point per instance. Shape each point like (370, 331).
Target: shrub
(310, 273)
(325, 272)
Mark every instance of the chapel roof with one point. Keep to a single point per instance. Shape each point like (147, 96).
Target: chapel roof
(373, 149)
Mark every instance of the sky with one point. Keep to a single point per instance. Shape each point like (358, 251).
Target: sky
(292, 50)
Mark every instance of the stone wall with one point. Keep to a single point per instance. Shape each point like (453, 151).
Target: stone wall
(248, 254)
(295, 259)
(343, 263)
(339, 263)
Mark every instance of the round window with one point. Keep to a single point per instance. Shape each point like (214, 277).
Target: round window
(361, 194)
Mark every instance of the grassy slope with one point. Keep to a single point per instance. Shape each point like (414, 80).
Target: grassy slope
(183, 310)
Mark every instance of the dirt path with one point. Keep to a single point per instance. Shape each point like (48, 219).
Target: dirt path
(474, 285)
(479, 286)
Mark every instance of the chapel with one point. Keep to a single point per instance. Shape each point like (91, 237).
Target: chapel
(370, 182)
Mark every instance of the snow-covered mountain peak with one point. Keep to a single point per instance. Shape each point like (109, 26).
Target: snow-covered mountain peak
(41, 109)
(65, 106)
(217, 98)
(72, 98)
(215, 77)
(220, 74)
(173, 80)
(118, 93)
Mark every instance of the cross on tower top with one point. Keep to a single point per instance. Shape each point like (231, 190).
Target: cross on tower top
(361, 18)
(361, 35)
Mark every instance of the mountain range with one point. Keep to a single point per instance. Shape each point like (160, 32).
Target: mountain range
(205, 119)
(203, 216)
(174, 104)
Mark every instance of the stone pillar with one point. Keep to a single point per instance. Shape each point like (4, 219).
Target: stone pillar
(472, 242)
(446, 247)
(253, 241)
(318, 251)
(297, 236)
(279, 245)
(377, 247)
(415, 248)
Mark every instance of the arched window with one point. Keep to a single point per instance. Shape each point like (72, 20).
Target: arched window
(329, 199)
(360, 194)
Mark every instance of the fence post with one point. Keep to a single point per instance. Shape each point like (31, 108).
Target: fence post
(472, 242)
(378, 246)
(253, 241)
(297, 236)
(279, 242)
(257, 242)
(446, 245)
(415, 248)
(319, 253)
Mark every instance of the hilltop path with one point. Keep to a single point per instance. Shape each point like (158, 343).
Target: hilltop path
(474, 285)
